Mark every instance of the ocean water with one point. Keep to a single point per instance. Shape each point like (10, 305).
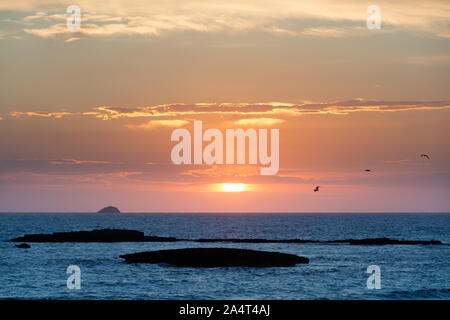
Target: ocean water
(335, 271)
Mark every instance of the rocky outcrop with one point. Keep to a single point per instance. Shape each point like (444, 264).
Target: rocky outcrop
(118, 235)
(23, 246)
(100, 235)
(109, 209)
(216, 257)
(367, 241)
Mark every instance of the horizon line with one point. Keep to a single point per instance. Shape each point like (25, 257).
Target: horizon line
(238, 212)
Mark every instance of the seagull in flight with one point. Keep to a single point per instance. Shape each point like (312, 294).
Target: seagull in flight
(425, 156)
(316, 189)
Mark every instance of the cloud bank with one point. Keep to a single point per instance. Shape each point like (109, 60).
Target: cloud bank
(323, 18)
(267, 113)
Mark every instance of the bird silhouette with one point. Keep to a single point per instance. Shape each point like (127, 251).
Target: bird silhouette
(367, 170)
(316, 189)
(425, 156)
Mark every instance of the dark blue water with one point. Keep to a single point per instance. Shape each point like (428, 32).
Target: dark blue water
(334, 272)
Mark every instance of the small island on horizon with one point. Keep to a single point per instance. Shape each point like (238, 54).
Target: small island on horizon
(109, 209)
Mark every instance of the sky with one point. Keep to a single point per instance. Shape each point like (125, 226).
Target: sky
(86, 114)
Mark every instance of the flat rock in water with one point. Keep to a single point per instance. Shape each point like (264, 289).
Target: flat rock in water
(100, 235)
(23, 246)
(216, 257)
(119, 235)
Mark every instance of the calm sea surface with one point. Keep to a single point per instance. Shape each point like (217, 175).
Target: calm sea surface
(334, 272)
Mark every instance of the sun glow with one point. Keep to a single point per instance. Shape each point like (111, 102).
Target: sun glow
(233, 187)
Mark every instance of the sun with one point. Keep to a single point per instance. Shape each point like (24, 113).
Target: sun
(233, 187)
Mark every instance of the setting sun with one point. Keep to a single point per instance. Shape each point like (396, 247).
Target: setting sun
(233, 187)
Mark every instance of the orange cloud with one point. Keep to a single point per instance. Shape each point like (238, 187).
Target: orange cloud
(157, 124)
(264, 113)
(222, 171)
(264, 110)
(57, 115)
(333, 32)
(72, 39)
(75, 162)
(265, 122)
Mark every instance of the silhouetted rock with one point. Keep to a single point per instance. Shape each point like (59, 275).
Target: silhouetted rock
(368, 241)
(23, 246)
(117, 235)
(216, 257)
(109, 209)
(101, 235)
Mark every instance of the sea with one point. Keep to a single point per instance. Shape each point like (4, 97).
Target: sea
(335, 271)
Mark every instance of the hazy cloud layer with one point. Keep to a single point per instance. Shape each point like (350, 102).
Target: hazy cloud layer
(158, 176)
(143, 17)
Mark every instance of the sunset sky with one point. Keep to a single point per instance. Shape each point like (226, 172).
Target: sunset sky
(86, 114)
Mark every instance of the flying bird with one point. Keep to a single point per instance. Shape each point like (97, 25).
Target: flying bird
(425, 156)
(367, 170)
(316, 189)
